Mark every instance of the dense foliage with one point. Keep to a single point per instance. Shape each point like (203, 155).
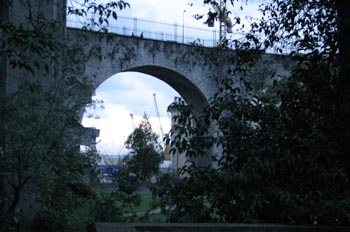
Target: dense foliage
(281, 154)
(42, 168)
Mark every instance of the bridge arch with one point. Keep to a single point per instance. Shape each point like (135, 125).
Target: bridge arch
(187, 90)
(184, 87)
(191, 70)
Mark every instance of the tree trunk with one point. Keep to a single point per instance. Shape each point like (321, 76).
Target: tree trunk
(16, 197)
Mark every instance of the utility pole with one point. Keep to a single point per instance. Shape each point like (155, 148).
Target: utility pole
(183, 26)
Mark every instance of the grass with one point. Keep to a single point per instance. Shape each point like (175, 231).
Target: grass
(140, 211)
(146, 203)
(146, 207)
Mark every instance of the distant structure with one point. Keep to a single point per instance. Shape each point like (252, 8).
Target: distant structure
(90, 136)
(177, 159)
(107, 166)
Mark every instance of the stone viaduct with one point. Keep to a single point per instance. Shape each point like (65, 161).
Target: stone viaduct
(193, 71)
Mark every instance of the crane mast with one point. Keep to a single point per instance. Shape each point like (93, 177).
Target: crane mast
(225, 22)
(167, 147)
(158, 116)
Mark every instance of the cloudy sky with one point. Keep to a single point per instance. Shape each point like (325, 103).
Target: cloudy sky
(132, 93)
(124, 94)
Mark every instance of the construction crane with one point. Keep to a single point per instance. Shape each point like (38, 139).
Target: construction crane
(157, 113)
(225, 21)
(167, 148)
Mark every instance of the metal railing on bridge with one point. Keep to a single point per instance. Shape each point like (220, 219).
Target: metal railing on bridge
(159, 31)
(171, 32)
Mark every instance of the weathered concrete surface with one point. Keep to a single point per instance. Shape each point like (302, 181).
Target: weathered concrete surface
(201, 227)
(185, 68)
(193, 71)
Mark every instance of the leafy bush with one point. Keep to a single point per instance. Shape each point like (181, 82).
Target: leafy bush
(279, 162)
(281, 155)
(107, 208)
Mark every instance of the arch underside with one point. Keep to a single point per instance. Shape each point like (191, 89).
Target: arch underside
(188, 91)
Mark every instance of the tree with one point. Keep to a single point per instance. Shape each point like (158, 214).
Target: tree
(282, 157)
(95, 15)
(43, 90)
(146, 154)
